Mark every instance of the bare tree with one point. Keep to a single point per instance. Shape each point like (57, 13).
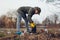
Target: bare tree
(47, 21)
(55, 18)
(52, 19)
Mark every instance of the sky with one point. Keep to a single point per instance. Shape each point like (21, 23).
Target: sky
(46, 8)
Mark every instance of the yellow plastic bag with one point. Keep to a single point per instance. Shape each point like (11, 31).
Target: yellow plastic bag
(32, 25)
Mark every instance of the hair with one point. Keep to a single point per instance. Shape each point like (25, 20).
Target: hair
(37, 8)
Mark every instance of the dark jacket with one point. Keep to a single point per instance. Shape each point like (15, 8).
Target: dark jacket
(26, 10)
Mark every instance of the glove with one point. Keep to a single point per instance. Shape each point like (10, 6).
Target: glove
(32, 25)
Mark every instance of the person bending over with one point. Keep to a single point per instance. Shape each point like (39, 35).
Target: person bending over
(22, 11)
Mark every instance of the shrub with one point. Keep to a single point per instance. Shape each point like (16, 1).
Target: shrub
(2, 35)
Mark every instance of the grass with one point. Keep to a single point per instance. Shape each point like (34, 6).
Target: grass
(2, 35)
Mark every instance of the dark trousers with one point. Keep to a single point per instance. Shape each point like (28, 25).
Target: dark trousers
(34, 30)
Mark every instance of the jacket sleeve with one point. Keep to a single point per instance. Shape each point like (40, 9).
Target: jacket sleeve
(30, 14)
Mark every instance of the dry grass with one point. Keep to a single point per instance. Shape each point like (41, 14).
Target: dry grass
(26, 36)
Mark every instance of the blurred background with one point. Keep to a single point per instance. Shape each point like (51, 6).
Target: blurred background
(50, 12)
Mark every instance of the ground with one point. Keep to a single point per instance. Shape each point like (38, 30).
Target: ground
(10, 32)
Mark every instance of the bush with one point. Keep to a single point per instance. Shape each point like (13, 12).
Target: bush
(2, 35)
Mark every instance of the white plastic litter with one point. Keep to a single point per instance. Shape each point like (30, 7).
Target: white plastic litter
(22, 34)
(46, 30)
(9, 32)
